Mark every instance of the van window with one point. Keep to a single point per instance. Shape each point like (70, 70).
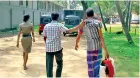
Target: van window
(71, 22)
(45, 20)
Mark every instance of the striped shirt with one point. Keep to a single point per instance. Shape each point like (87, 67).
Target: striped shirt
(91, 31)
(53, 32)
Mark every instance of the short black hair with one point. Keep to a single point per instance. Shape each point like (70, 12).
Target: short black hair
(54, 16)
(90, 12)
(26, 17)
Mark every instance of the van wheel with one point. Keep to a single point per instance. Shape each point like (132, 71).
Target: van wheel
(64, 34)
(40, 32)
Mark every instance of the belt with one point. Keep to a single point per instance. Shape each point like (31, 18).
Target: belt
(26, 35)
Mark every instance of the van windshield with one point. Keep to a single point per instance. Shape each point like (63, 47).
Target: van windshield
(71, 22)
(45, 20)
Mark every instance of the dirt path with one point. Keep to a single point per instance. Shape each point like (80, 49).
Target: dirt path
(11, 59)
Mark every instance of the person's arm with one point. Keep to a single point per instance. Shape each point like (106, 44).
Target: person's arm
(80, 26)
(63, 28)
(103, 43)
(33, 34)
(18, 37)
(45, 39)
(44, 34)
(80, 32)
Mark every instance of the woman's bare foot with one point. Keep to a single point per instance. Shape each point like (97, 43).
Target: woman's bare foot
(25, 68)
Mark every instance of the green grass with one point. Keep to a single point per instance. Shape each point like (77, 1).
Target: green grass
(115, 28)
(36, 28)
(125, 55)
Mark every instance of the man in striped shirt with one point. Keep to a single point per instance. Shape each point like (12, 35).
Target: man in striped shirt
(95, 42)
(52, 37)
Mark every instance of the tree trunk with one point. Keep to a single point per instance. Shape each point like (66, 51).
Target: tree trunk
(125, 28)
(129, 24)
(102, 16)
(127, 14)
(85, 6)
(130, 16)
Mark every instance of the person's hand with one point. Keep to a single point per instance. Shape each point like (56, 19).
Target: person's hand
(69, 31)
(76, 47)
(17, 45)
(106, 55)
(33, 39)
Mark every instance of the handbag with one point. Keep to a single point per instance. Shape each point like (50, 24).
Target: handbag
(107, 68)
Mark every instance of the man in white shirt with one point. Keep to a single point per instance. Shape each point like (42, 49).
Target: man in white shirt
(52, 37)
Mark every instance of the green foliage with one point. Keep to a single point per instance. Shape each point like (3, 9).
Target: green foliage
(135, 6)
(90, 3)
(62, 3)
(108, 8)
(73, 4)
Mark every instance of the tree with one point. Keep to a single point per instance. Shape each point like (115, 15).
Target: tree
(108, 8)
(84, 4)
(102, 16)
(124, 22)
(73, 4)
(128, 15)
(63, 3)
(87, 4)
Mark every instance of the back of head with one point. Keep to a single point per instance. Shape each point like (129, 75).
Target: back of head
(90, 12)
(26, 17)
(55, 16)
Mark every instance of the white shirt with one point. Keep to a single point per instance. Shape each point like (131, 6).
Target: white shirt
(53, 32)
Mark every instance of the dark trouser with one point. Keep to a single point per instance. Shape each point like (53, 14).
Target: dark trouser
(49, 63)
